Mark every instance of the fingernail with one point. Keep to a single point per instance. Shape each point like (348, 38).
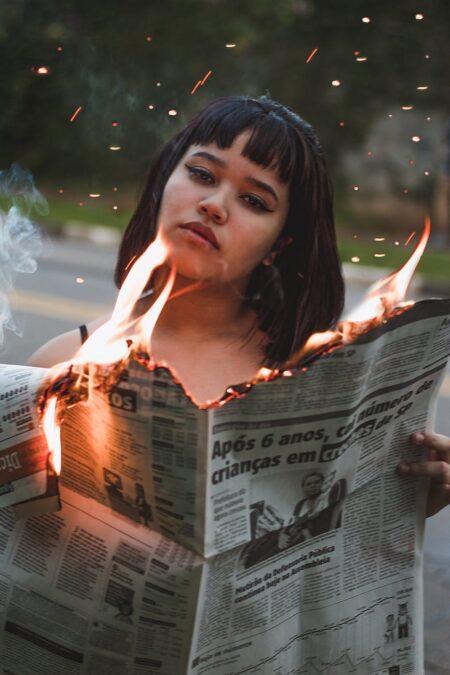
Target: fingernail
(418, 438)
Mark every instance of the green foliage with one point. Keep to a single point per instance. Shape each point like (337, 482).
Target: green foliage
(109, 67)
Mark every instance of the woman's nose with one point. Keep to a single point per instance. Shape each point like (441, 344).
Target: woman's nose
(213, 208)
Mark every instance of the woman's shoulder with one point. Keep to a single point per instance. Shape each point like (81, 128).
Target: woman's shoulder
(62, 347)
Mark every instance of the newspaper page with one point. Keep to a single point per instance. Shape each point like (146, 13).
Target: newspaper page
(23, 448)
(267, 535)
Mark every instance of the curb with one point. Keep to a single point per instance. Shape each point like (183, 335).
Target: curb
(99, 235)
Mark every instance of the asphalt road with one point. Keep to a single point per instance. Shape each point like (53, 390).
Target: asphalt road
(73, 284)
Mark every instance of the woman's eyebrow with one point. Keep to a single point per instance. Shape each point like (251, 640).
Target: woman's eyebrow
(254, 181)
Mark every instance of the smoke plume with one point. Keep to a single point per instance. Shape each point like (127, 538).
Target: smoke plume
(20, 238)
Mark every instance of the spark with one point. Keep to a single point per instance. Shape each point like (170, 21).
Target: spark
(148, 38)
(195, 87)
(115, 188)
(59, 49)
(355, 236)
(390, 115)
(407, 107)
(379, 238)
(94, 195)
(129, 263)
(365, 19)
(230, 45)
(172, 112)
(427, 56)
(356, 53)
(379, 255)
(356, 188)
(114, 147)
(397, 243)
(114, 123)
(422, 87)
(76, 113)
(61, 191)
(115, 207)
(419, 17)
(151, 107)
(428, 119)
(405, 191)
(342, 124)
(416, 139)
(336, 83)
(208, 74)
(313, 53)
(41, 70)
(79, 280)
(426, 173)
(409, 238)
(369, 153)
(356, 259)
(361, 58)
(80, 203)
(158, 84)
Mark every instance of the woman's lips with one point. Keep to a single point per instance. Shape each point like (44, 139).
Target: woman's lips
(201, 233)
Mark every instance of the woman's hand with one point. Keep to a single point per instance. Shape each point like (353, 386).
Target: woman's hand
(435, 465)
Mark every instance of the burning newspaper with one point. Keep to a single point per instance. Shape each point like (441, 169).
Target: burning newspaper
(268, 533)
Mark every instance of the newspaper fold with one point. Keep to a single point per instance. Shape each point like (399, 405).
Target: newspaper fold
(268, 535)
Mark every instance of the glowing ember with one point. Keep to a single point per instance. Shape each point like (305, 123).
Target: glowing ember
(114, 147)
(379, 255)
(365, 19)
(409, 238)
(94, 195)
(356, 259)
(52, 434)
(426, 173)
(313, 53)
(379, 238)
(115, 207)
(335, 83)
(422, 87)
(114, 123)
(407, 107)
(61, 191)
(416, 139)
(361, 58)
(195, 87)
(79, 280)
(342, 124)
(419, 17)
(151, 107)
(356, 188)
(230, 45)
(148, 38)
(41, 70)
(76, 113)
(172, 112)
(208, 74)
(115, 188)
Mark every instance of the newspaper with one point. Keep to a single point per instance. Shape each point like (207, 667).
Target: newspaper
(270, 534)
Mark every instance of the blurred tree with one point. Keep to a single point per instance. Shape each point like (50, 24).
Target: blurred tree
(132, 64)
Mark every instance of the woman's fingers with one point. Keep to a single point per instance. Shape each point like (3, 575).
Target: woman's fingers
(435, 466)
(438, 470)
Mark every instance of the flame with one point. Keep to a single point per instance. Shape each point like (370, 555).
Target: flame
(380, 301)
(112, 341)
(52, 434)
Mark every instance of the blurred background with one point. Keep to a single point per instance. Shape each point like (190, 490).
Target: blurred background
(90, 90)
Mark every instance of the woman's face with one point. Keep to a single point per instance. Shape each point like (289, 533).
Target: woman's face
(221, 213)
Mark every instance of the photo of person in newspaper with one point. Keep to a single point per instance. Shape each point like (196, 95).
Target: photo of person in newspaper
(318, 511)
(242, 199)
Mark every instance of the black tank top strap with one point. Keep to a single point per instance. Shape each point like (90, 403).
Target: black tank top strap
(83, 333)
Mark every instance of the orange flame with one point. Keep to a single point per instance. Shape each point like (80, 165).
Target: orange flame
(381, 299)
(52, 434)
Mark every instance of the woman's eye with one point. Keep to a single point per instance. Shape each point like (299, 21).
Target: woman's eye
(200, 174)
(255, 202)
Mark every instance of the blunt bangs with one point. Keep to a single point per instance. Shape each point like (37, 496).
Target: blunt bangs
(271, 143)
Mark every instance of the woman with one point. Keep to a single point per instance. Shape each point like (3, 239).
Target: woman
(242, 198)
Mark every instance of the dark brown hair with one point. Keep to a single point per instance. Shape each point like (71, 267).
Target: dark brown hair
(303, 291)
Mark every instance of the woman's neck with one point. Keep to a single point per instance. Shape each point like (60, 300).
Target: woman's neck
(201, 310)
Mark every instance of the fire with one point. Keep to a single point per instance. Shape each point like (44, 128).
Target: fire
(52, 434)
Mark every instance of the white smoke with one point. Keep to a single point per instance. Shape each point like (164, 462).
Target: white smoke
(20, 238)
